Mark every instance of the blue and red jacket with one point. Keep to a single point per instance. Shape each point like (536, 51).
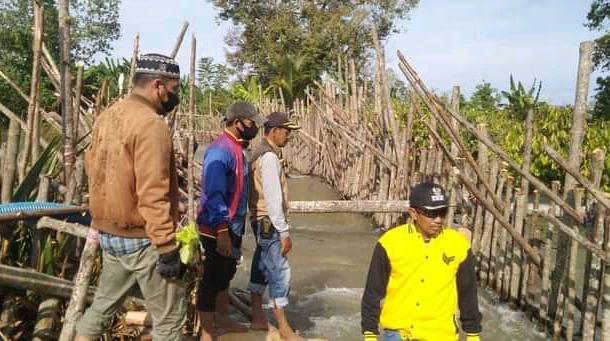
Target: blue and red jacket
(224, 187)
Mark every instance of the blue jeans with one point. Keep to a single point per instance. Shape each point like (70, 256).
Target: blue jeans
(269, 267)
(391, 335)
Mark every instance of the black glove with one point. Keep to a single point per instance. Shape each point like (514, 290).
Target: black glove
(169, 265)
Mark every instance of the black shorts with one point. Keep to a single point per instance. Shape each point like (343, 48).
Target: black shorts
(218, 271)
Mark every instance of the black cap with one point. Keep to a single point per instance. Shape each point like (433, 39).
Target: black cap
(279, 119)
(244, 110)
(428, 195)
(158, 64)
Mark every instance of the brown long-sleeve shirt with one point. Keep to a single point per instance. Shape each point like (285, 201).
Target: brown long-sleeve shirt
(133, 187)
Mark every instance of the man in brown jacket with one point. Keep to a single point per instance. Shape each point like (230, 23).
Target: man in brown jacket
(133, 197)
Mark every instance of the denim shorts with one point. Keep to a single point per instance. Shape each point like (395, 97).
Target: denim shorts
(270, 268)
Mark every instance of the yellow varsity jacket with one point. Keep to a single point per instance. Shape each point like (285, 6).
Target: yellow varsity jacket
(421, 285)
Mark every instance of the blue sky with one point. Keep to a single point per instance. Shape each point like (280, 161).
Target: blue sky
(448, 42)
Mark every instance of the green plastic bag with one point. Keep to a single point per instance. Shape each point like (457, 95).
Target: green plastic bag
(188, 238)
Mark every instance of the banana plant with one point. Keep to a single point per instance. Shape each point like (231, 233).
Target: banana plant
(46, 162)
(250, 90)
(520, 100)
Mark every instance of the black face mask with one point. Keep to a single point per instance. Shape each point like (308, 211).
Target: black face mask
(249, 132)
(170, 104)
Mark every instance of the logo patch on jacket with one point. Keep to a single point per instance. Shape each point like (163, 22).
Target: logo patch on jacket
(447, 259)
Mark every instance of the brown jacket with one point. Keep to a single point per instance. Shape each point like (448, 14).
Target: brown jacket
(133, 186)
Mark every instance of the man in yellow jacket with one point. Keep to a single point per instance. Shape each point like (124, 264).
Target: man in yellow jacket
(423, 272)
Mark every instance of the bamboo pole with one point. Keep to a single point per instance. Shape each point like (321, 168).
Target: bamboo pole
(190, 154)
(81, 286)
(575, 236)
(498, 151)
(12, 115)
(485, 262)
(546, 274)
(481, 197)
(483, 161)
(592, 277)
(593, 289)
(34, 85)
(606, 292)
(77, 101)
(518, 238)
(529, 281)
(37, 139)
(494, 231)
(10, 161)
(434, 104)
(599, 195)
(455, 104)
(499, 238)
(66, 88)
(578, 195)
(545, 303)
(176, 48)
(134, 62)
(515, 254)
(577, 132)
(26, 279)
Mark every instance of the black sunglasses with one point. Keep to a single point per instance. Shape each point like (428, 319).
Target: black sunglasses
(432, 214)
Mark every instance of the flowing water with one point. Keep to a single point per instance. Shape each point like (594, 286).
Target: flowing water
(329, 260)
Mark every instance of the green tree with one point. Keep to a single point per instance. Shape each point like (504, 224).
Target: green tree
(94, 26)
(314, 33)
(212, 75)
(597, 20)
(484, 98)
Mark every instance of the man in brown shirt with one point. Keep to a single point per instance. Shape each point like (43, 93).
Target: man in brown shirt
(133, 197)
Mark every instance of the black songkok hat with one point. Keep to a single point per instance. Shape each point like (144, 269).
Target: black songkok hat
(158, 64)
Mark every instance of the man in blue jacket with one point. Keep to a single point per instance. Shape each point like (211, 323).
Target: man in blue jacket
(222, 216)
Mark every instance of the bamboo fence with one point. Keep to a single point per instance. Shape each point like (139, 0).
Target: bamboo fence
(553, 263)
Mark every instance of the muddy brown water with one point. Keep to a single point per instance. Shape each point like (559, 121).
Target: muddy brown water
(329, 261)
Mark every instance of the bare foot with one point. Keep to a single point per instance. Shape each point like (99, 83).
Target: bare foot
(229, 327)
(259, 324)
(205, 336)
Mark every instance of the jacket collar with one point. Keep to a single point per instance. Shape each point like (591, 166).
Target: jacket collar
(232, 137)
(140, 99)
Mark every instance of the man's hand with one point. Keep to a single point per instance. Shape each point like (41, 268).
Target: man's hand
(223, 243)
(169, 265)
(286, 246)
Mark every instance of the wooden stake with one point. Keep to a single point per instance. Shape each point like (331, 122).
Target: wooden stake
(66, 88)
(174, 52)
(134, 62)
(10, 161)
(34, 86)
